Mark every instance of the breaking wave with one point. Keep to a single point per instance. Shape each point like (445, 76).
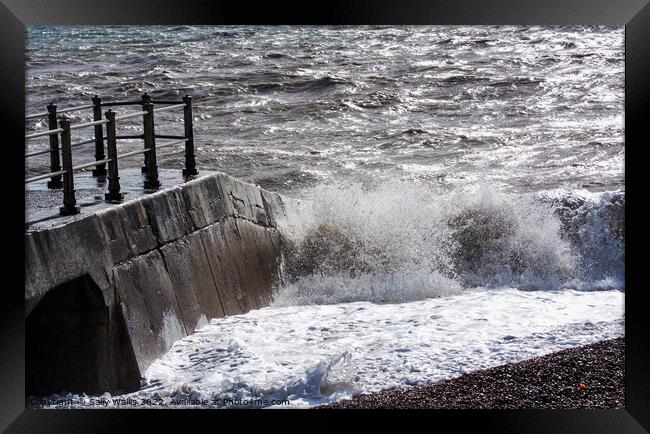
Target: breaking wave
(403, 241)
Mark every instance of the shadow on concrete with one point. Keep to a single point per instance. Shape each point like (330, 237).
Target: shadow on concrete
(75, 343)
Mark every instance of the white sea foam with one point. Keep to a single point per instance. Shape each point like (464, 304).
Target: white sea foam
(311, 355)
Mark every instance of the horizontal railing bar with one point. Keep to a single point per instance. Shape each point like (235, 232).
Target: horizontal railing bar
(36, 115)
(92, 163)
(169, 107)
(43, 133)
(116, 103)
(85, 142)
(33, 154)
(130, 115)
(88, 124)
(47, 175)
(163, 136)
(104, 104)
(175, 142)
(132, 153)
(71, 109)
(135, 136)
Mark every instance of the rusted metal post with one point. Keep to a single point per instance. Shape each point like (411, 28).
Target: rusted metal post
(99, 137)
(151, 182)
(55, 162)
(113, 194)
(190, 162)
(146, 99)
(69, 202)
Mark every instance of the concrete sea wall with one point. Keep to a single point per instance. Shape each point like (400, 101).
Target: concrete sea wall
(107, 293)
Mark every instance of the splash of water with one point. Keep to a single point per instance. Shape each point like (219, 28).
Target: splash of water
(403, 241)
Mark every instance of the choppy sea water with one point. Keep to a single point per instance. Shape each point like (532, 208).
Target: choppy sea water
(287, 107)
(459, 191)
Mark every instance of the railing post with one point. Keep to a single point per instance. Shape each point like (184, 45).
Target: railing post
(151, 182)
(69, 202)
(190, 162)
(113, 194)
(55, 162)
(146, 99)
(99, 137)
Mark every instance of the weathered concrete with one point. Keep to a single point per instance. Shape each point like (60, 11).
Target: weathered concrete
(159, 267)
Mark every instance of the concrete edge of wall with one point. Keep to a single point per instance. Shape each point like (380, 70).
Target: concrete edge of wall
(167, 263)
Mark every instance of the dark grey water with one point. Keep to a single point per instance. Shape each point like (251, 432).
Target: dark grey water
(525, 108)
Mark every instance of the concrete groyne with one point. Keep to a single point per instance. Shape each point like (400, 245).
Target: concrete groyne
(108, 292)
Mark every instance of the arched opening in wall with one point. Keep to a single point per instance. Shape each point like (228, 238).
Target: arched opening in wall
(74, 342)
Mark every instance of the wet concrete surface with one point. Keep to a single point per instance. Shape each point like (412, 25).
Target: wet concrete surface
(42, 204)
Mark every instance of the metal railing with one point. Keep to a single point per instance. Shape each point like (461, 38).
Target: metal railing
(62, 169)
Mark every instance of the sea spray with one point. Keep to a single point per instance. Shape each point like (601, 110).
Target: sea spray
(360, 243)
(402, 241)
(594, 223)
(506, 240)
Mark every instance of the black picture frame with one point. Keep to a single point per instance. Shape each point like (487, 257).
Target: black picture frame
(16, 14)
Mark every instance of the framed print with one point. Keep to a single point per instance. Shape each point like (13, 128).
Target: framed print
(419, 207)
